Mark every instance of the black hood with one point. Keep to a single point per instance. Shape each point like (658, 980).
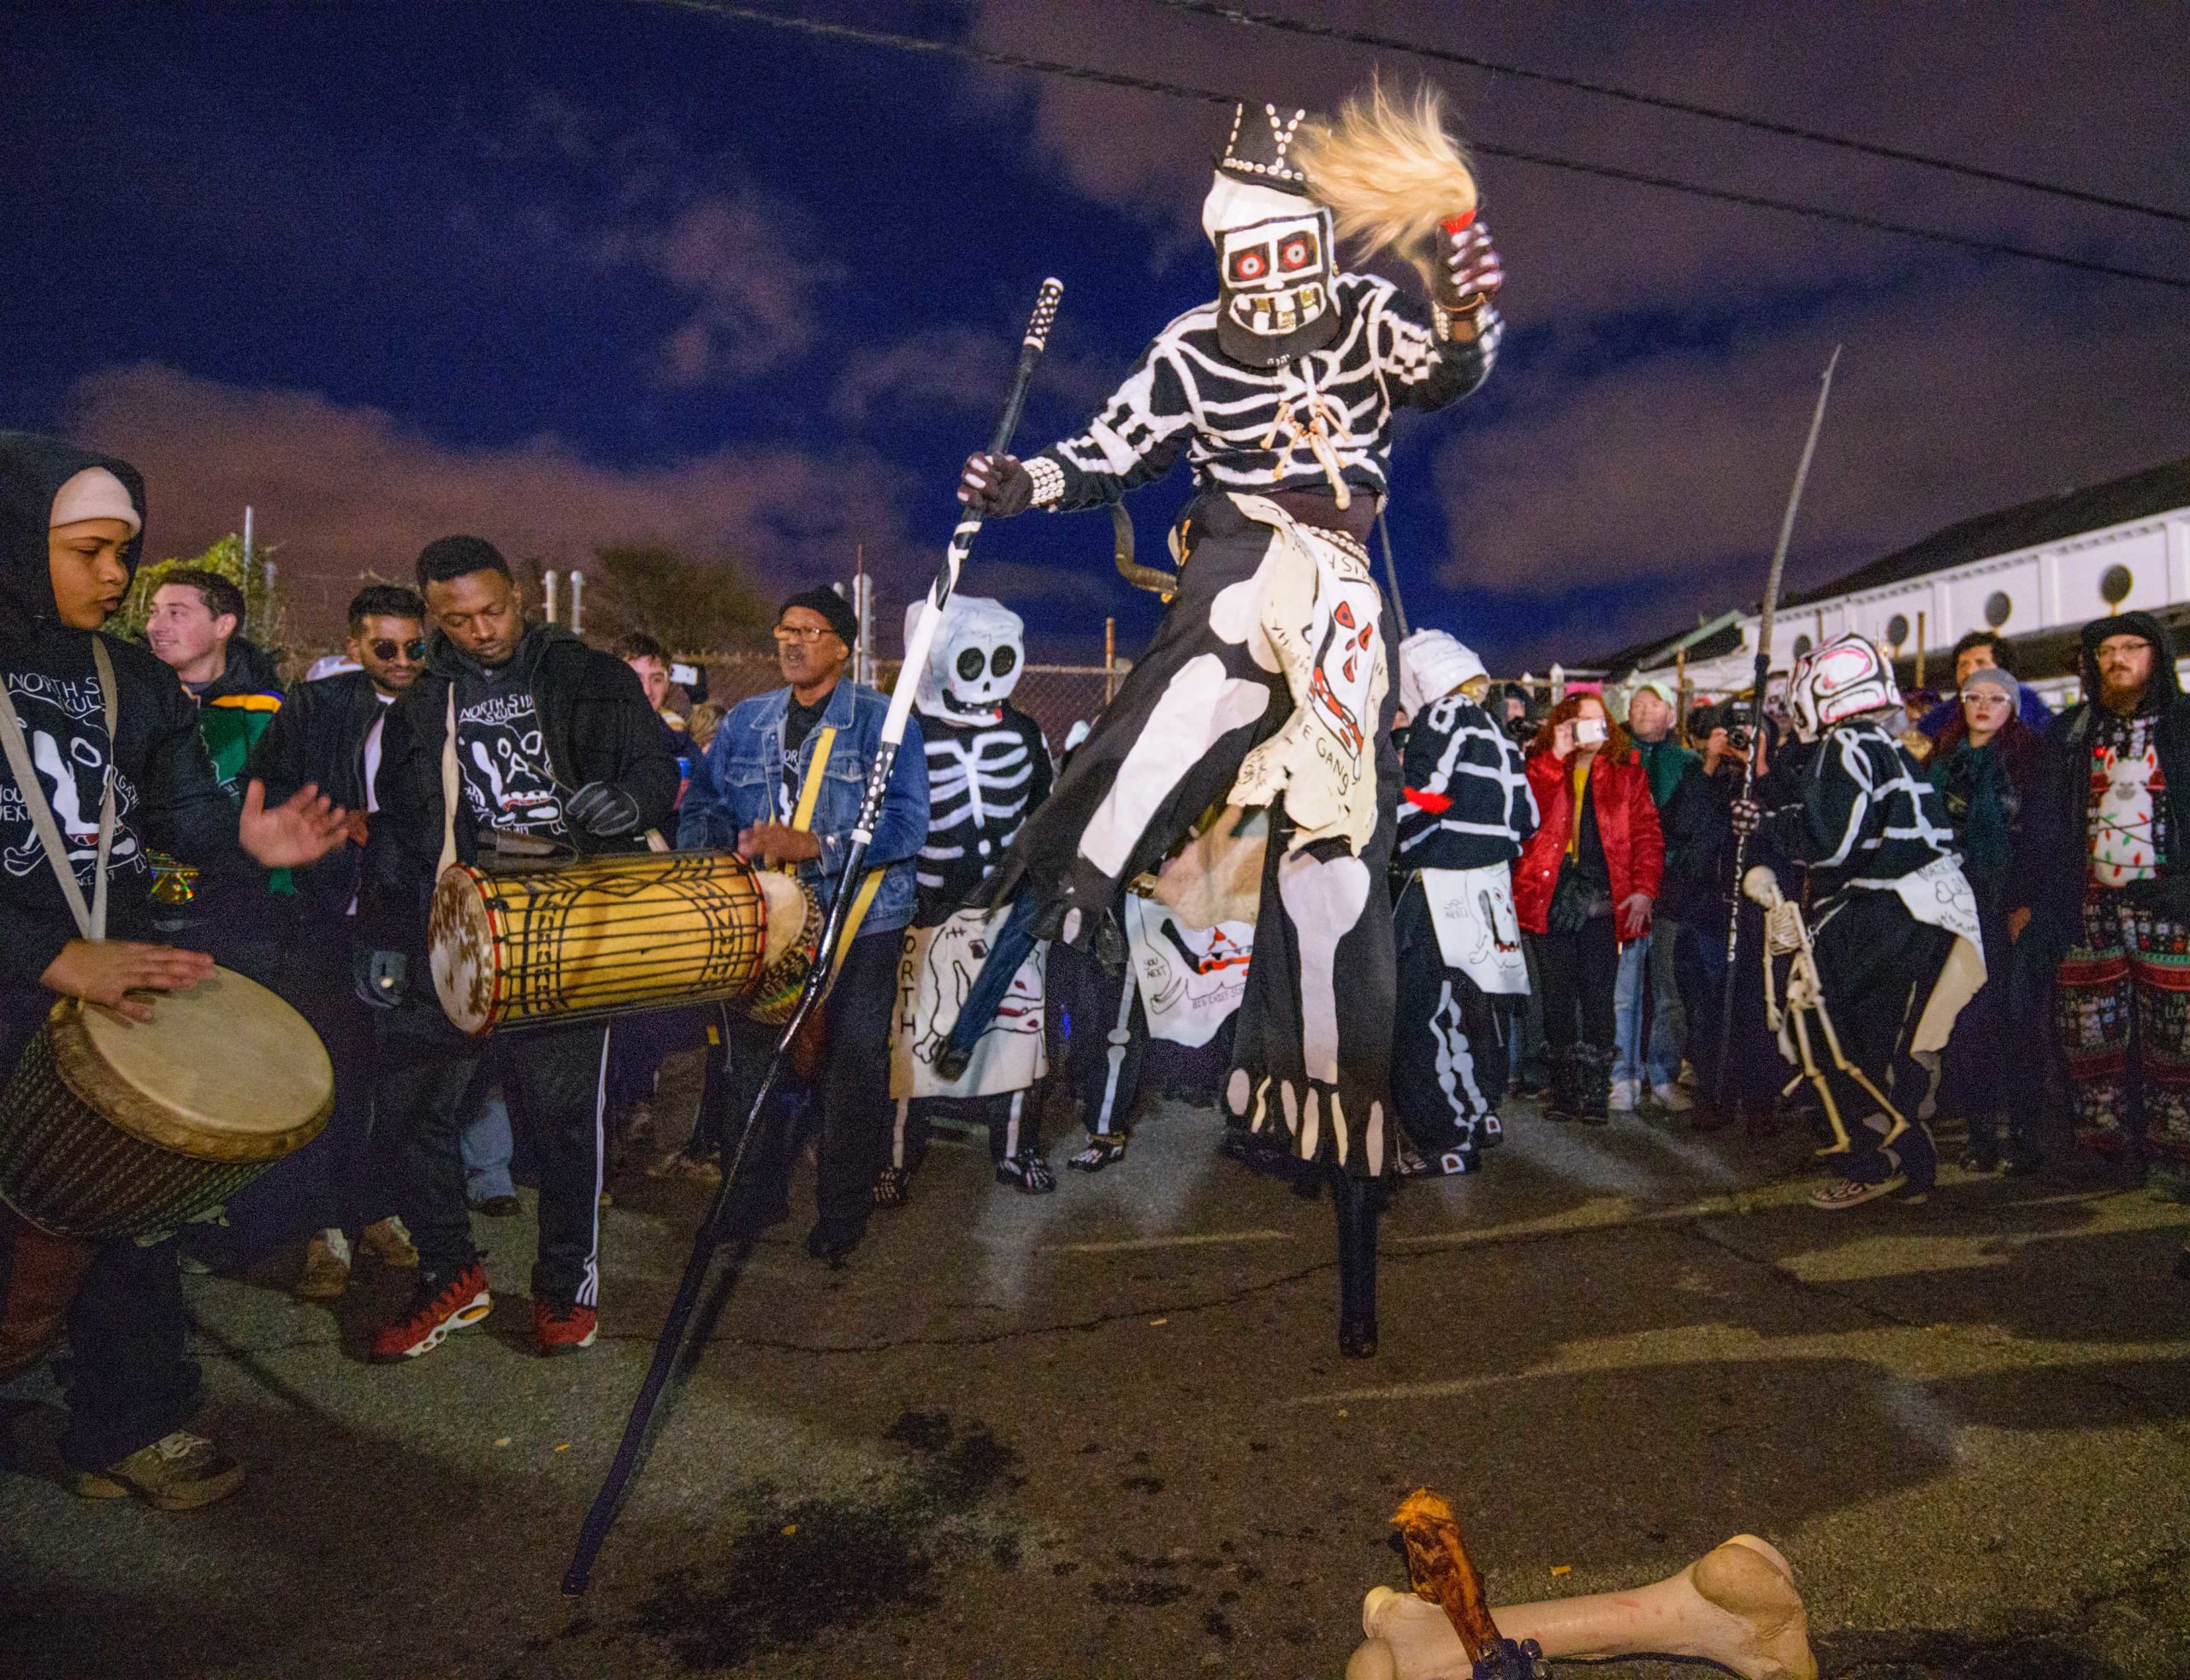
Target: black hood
(33, 469)
(445, 659)
(2165, 686)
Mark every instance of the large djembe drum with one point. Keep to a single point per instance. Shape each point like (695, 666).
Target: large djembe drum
(111, 1127)
(606, 936)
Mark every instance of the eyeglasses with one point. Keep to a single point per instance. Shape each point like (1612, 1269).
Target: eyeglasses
(802, 632)
(386, 649)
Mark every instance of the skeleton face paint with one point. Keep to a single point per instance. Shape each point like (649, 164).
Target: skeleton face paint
(976, 662)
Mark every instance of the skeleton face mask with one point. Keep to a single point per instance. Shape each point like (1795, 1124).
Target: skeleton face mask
(1273, 270)
(974, 664)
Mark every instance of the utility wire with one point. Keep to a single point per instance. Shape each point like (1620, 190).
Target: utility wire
(1363, 38)
(997, 58)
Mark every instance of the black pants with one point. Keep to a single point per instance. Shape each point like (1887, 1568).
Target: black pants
(350, 1168)
(1449, 1056)
(127, 1380)
(852, 1094)
(1578, 972)
(1989, 1074)
(556, 1076)
(1878, 965)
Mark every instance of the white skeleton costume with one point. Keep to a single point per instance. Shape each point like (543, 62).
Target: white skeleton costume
(1466, 814)
(988, 767)
(1269, 680)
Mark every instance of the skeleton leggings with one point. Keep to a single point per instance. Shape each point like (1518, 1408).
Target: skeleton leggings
(2122, 1008)
(1448, 1054)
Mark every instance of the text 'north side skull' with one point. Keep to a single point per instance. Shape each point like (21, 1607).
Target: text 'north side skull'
(974, 664)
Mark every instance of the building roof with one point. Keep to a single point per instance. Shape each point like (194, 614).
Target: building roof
(2049, 518)
(2094, 507)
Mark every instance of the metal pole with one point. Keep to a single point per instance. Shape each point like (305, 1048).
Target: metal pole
(547, 594)
(1391, 573)
(1110, 660)
(578, 602)
(1763, 676)
(1919, 650)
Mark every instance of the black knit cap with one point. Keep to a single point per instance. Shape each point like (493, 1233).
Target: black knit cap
(830, 606)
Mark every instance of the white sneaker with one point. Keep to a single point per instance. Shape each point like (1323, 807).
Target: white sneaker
(1672, 1099)
(1623, 1096)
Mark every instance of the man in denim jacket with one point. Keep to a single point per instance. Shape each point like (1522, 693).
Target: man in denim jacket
(745, 794)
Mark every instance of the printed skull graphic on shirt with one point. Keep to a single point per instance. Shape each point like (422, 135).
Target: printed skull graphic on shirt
(507, 781)
(64, 724)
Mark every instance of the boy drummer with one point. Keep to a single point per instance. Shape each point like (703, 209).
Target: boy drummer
(70, 530)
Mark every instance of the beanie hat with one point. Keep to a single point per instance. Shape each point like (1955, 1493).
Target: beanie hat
(830, 606)
(1432, 664)
(1992, 676)
(94, 493)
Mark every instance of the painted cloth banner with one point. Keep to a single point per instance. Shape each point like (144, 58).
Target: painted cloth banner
(1477, 933)
(1191, 980)
(935, 970)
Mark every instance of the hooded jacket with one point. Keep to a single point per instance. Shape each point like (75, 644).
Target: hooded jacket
(596, 726)
(166, 793)
(2054, 861)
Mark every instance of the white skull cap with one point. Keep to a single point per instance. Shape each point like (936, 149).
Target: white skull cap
(94, 493)
(1432, 664)
(965, 618)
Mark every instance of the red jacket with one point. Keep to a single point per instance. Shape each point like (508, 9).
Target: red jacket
(1627, 823)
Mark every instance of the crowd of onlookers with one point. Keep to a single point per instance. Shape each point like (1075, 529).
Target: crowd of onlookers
(2069, 832)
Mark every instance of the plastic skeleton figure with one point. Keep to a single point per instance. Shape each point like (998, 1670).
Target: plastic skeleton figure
(1894, 943)
(1268, 683)
(988, 767)
(1466, 813)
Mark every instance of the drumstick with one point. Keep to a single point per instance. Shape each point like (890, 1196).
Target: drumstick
(670, 1346)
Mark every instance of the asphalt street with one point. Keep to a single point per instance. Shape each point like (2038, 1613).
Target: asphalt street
(1107, 1432)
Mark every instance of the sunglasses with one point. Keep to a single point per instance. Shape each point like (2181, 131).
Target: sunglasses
(802, 632)
(385, 647)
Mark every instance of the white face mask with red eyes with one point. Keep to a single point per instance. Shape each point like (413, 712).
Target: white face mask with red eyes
(1275, 276)
(1274, 271)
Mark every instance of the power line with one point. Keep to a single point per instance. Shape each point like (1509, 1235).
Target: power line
(997, 58)
(1363, 38)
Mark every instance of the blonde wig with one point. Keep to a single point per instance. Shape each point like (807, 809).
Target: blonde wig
(1390, 172)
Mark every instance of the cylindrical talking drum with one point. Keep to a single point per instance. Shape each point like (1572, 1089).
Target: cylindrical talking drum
(602, 936)
(111, 1127)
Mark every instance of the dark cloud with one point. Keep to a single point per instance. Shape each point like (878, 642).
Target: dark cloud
(345, 490)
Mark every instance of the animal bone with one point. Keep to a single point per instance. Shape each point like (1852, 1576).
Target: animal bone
(1737, 1605)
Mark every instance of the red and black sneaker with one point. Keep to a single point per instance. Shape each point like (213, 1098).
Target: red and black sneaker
(434, 1313)
(563, 1329)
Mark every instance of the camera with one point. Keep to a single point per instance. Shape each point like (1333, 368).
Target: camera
(1739, 739)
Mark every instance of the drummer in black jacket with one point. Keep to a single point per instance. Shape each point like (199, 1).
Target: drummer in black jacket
(342, 1187)
(557, 753)
(70, 527)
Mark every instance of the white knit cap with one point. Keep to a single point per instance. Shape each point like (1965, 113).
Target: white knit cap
(95, 493)
(1233, 202)
(1432, 664)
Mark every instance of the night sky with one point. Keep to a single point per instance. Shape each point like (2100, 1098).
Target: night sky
(578, 274)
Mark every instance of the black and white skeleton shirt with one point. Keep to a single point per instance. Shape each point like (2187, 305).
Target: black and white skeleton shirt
(1863, 812)
(1247, 428)
(984, 779)
(1466, 802)
(509, 785)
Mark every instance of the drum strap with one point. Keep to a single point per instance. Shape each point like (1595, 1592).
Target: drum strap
(809, 796)
(451, 786)
(91, 922)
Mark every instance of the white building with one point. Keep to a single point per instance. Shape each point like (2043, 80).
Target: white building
(2037, 574)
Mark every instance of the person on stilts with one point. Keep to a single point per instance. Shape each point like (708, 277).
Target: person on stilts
(1268, 684)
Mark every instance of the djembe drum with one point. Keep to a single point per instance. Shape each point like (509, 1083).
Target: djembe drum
(608, 936)
(111, 1127)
